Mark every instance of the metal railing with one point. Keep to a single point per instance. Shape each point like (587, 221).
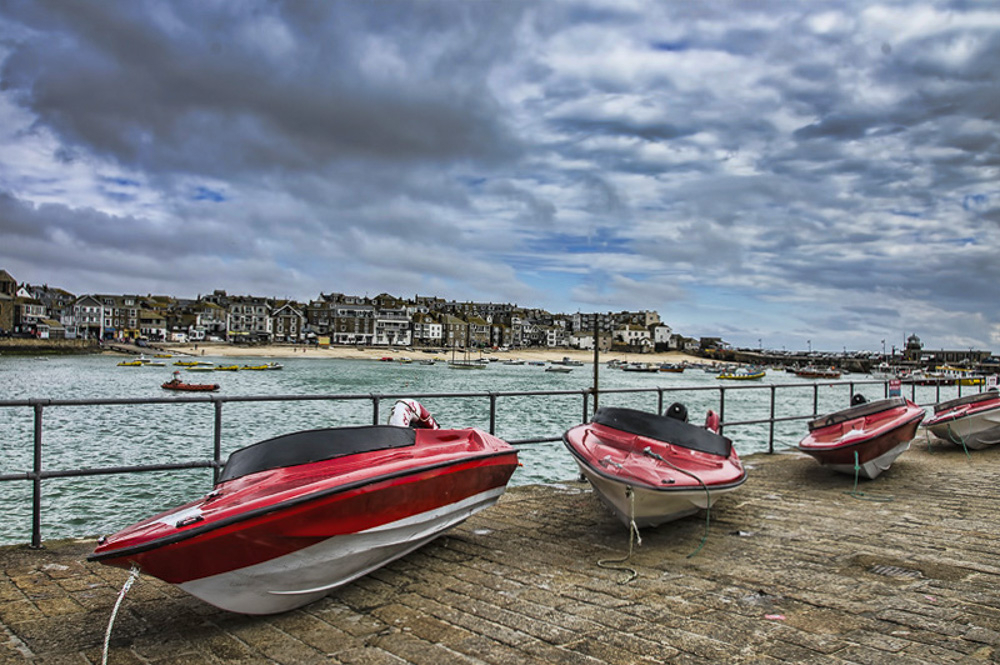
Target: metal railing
(589, 400)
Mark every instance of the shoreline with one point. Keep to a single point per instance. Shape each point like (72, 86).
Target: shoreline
(223, 350)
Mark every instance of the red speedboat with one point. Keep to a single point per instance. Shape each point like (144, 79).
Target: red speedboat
(972, 421)
(295, 516)
(650, 469)
(865, 438)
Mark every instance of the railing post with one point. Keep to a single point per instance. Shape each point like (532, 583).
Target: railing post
(493, 414)
(659, 400)
(586, 406)
(36, 491)
(375, 402)
(770, 442)
(815, 399)
(217, 442)
(722, 408)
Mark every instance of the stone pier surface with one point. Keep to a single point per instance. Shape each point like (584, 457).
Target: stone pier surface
(794, 569)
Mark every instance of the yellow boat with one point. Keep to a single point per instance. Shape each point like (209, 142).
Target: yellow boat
(743, 374)
(191, 363)
(131, 363)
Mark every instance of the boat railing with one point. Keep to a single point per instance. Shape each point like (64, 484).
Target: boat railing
(589, 401)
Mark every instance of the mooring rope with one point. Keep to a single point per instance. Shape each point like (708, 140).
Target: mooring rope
(132, 577)
(708, 496)
(864, 496)
(633, 536)
(961, 439)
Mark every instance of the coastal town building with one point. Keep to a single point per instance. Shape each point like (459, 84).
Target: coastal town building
(345, 319)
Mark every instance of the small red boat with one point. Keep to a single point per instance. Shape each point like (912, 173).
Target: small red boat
(176, 384)
(295, 516)
(650, 469)
(865, 438)
(972, 421)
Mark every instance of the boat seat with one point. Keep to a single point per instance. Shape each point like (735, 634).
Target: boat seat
(865, 409)
(663, 428)
(314, 446)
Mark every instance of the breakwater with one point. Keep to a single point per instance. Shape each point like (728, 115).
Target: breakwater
(18, 346)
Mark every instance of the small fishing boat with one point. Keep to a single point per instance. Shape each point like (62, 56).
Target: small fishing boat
(227, 368)
(865, 438)
(742, 374)
(673, 368)
(193, 363)
(267, 366)
(972, 421)
(177, 384)
(559, 369)
(650, 469)
(814, 372)
(296, 516)
(131, 363)
(640, 367)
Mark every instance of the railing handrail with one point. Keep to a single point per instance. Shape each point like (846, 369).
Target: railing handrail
(37, 474)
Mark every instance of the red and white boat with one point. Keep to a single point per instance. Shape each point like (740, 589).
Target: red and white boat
(865, 438)
(650, 469)
(295, 516)
(972, 421)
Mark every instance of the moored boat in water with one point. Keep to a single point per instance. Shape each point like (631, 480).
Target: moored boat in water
(296, 516)
(651, 469)
(814, 372)
(972, 421)
(176, 384)
(743, 374)
(864, 439)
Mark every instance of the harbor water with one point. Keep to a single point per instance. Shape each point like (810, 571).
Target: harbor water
(84, 436)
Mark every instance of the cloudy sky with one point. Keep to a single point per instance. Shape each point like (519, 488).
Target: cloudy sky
(790, 174)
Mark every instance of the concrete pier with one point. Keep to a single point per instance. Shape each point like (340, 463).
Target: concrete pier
(794, 569)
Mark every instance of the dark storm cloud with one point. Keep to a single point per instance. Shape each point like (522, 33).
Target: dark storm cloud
(218, 90)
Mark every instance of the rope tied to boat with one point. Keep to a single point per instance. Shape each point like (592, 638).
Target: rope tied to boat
(961, 439)
(633, 538)
(864, 496)
(708, 495)
(132, 577)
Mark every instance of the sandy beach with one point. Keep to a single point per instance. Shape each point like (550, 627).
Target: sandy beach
(216, 349)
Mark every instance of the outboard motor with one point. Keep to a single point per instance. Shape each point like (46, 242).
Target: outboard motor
(677, 411)
(858, 399)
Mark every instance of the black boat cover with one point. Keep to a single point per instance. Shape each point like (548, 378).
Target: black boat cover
(662, 428)
(967, 399)
(313, 446)
(865, 409)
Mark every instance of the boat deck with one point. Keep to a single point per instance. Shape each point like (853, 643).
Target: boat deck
(794, 569)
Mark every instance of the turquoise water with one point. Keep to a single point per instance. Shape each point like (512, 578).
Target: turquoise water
(77, 436)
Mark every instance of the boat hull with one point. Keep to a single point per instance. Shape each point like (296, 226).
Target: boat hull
(307, 575)
(271, 538)
(866, 439)
(971, 421)
(650, 481)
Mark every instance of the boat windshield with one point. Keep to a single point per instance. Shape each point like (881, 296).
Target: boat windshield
(662, 428)
(314, 446)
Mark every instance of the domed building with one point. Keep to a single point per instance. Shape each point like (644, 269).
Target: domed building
(914, 348)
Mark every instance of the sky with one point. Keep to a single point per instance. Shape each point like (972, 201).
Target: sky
(785, 174)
